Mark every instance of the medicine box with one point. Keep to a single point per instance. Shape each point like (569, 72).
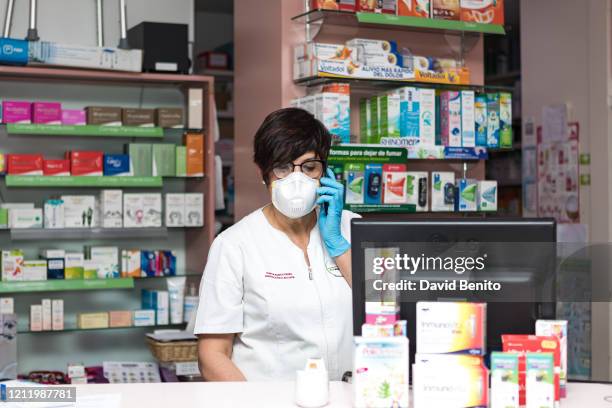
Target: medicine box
(504, 380)
(46, 314)
(25, 164)
(365, 126)
(384, 330)
(103, 115)
(54, 213)
(195, 105)
(56, 167)
(35, 270)
(12, 263)
(373, 183)
(16, 112)
(84, 56)
(487, 195)
(374, 119)
(152, 210)
(416, 189)
(175, 209)
(427, 122)
(493, 123)
(55, 268)
(120, 318)
(483, 11)
(86, 163)
(25, 218)
(354, 176)
(194, 209)
(382, 312)
(79, 211)
(74, 266)
(390, 123)
(111, 208)
(164, 159)
(181, 161)
(446, 9)
(48, 113)
(117, 165)
(333, 110)
(505, 120)
(57, 314)
(450, 118)
(380, 372)
(35, 318)
(466, 195)
(107, 258)
(144, 317)
(481, 120)
(141, 159)
(194, 144)
(74, 117)
(558, 329)
(468, 121)
(7, 305)
(138, 117)
(540, 381)
(130, 263)
(459, 381)
(133, 210)
(451, 328)
(97, 320)
(523, 344)
(394, 182)
(414, 8)
(410, 113)
(371, 52)
(442, 191)
(169, 117)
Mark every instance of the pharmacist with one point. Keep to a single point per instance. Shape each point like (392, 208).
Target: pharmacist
(276, 288)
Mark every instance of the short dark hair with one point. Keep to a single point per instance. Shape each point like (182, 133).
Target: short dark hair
(285, 135)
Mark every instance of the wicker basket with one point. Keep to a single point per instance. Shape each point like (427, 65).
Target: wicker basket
(174, 350)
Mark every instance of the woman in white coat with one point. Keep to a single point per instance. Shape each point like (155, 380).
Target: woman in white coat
(276, 288)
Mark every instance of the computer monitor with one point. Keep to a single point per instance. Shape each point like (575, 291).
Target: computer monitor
(534, 264)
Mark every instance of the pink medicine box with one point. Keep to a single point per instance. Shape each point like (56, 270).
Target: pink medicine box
(74, 117)
(47, 113)
(16, 112)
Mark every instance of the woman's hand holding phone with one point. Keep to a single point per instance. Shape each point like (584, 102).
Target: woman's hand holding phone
(331, 200)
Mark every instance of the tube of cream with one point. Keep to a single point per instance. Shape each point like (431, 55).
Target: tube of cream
(176, 290)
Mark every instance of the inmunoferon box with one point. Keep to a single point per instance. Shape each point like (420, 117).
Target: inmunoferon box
(451, 328)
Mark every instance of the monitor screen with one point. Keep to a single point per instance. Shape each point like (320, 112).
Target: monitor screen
(519, 253)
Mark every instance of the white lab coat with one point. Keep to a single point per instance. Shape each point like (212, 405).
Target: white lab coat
(256, 284)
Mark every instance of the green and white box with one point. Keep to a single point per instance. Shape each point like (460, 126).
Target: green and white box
(11, 265)
(74, 265)
(539, 380)
(466, 199)
(380, 370)
(487, 195)
(354, 176)
(442, 191)
(390, 114)
(427, 122)
(504, 380)
(416, 186)
(365, 116)
(107, 259)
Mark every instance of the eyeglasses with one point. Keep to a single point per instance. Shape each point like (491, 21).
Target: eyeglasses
(312, 168)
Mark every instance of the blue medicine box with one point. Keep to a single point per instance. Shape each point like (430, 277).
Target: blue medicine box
(116, 164)
(13, 51)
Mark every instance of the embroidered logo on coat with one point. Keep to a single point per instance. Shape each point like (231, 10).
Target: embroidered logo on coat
(287, 275)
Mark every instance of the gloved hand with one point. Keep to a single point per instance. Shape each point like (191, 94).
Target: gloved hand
(331, 193)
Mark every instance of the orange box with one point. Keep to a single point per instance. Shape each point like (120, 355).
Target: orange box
(120, 318)
(414, 8)
(483, 11)
(347, 5)
(446, 9)
(194, 143)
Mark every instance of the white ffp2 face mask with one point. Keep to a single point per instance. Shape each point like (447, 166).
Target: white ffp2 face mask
(295, 195)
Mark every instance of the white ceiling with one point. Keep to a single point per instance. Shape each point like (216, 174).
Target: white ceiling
(215, 6)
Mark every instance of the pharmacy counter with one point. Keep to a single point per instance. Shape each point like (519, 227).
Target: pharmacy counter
(260, 394)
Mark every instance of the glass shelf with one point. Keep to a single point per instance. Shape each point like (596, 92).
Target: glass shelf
(84, 131)
(76, 329)
(83, 181)
(361, 84)
(376, 20)
(38, 234)
(74, 285)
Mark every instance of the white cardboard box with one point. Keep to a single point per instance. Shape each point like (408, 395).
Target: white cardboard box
(133, 211)
(107, 259)
(26, 218)
(194, 209)
(54, 214)
(442, 191)
(152, 207)
(35, 317)
(163, 310)
(79, 211)
(7, 305)
(111, 208)
(57, 314)
(175, 210)
(46, 314)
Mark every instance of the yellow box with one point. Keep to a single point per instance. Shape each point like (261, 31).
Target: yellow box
(97, 320)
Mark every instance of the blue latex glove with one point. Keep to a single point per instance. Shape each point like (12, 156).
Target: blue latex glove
(331, 195)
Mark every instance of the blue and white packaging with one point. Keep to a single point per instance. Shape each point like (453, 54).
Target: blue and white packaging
(481, 120)
(13, 51)
(410, 110)
(466, 199)
(373, 184)
(493, 123)
(487, 195)
(427, 122)
(468, 121)
(117, 165)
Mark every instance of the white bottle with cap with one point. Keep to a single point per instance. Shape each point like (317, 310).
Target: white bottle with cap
(312, 384)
